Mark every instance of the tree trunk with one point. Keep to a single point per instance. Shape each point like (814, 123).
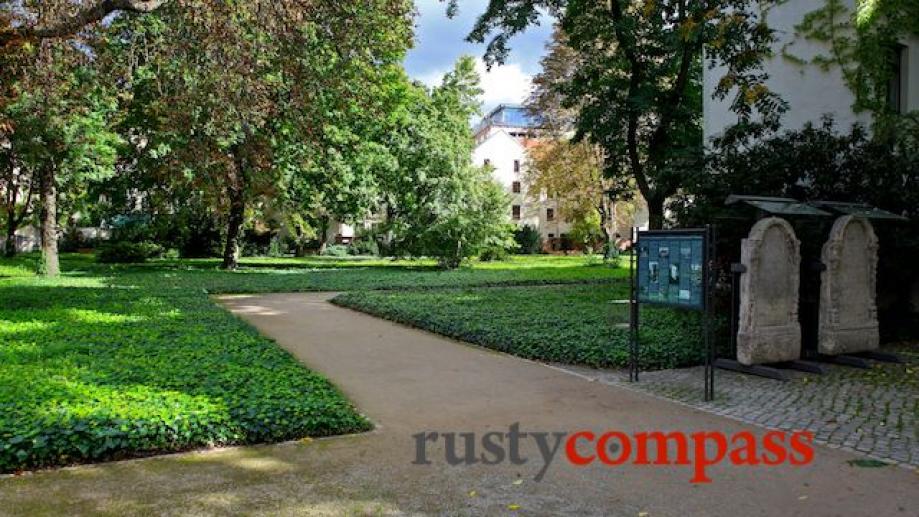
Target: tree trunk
(323, 234)
(12, 222)
(607, 211)
(236, 191)
(11, 227)
(50, 262)
(655, 213)
(300, 250)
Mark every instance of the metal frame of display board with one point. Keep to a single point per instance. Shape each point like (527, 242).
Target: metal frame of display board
(701, 303)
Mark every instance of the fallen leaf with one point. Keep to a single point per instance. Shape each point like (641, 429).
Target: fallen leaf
(472, 493)
(803, 497)
(513, 507)
(518, 482)
(306, 441)
(869, 463)
(643, 514)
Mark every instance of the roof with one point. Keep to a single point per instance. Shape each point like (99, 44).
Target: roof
(789, 206)
(859, 209)
(508, 115)
(500, 133)
(777, 205)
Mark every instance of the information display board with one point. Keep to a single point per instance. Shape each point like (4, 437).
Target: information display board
(671, 268)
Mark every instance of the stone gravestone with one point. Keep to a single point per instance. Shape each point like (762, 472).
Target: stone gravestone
(848, 289)
(768, 329)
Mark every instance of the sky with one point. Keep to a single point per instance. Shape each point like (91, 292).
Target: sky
(440, 41)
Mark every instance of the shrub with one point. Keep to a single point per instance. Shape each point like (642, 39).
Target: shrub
(276, 248)
(73, 240)
(364, 247)
(528, 239)
(335, 250)
(493, 253)
(123, 252)
(132, 228)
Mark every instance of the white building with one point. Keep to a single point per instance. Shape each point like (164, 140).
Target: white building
(501, 142)
(812, 92)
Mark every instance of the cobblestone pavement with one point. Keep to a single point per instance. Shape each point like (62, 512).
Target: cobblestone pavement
(874, 412)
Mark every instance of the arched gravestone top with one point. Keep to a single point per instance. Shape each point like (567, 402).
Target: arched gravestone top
(848, 288)
(768, 329)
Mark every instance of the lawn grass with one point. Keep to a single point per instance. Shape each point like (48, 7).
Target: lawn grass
(268, 275)
(566, 324)
(109, 362)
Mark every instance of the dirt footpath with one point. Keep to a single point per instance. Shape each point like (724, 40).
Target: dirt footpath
(408, 382)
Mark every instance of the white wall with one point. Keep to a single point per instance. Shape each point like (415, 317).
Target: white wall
(809, 91)
(502, 149)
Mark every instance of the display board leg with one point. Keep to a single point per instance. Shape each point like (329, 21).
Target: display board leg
(633, 309)
(710, 255)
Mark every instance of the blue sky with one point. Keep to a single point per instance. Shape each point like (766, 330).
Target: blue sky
(439, 41)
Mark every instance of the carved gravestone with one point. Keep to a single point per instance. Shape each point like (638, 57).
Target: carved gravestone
(848, 289)
(769, 330)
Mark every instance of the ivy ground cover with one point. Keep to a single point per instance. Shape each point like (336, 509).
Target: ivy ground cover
(574, 324)
(92, 371)
(110, 362)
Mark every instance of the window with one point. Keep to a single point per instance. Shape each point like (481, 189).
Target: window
(551, 235)
(550, 214)
(516, 165)
(896, 87)
(515, 187)
(515, 212)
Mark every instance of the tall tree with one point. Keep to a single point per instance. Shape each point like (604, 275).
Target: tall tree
(437, 203)
(60, 131)
(572, 171)
(233, 94)
(636, 83)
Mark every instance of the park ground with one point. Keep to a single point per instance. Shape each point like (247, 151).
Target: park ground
(114, 362)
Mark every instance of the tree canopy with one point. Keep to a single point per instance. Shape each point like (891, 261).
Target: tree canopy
(635, 75)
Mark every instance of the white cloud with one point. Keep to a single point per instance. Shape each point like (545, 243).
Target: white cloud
(507, 84)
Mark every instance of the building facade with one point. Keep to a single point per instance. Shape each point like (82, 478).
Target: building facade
(810, 90)
(502, 139)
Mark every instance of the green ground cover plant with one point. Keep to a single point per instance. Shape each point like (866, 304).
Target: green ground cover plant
(92, 371)
(571, 324)
(115, 361)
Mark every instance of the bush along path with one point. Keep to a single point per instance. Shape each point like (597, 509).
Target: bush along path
(566, 324)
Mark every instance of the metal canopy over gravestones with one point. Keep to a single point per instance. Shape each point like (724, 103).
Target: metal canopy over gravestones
(858, 209)
(671, 268)
(848, 289)
(769, 331)
(777, 205)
